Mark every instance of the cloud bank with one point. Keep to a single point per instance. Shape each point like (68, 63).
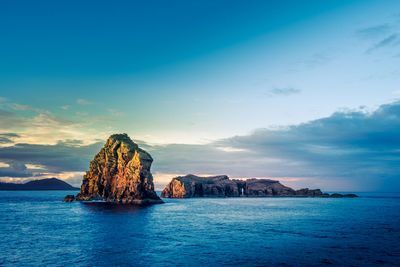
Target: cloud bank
(349, 150)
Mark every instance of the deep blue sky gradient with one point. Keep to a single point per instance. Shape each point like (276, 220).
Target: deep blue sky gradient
(96, 38)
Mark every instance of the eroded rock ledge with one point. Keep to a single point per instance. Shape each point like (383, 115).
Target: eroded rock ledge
(119, 173)
(221, 186)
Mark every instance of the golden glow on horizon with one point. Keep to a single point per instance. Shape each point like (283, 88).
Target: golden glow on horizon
(4, 165)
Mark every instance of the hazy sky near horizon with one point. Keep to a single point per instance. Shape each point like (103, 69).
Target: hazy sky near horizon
(184, 77)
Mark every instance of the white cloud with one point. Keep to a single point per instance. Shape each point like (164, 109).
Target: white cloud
(285, 91)
(397, 92)
(82, 101)
(47, 128)
(34, 166)
(230, 149)
(116, 113)
(73, 178)
(4, 165)
(20, 107)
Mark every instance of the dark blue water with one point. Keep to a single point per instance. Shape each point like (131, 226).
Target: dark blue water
(36, 228)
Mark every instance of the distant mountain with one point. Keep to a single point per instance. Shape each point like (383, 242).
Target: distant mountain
(43, 184)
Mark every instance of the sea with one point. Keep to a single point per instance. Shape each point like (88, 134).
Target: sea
(38, 229)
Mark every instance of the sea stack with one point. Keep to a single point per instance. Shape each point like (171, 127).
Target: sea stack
(221, 186)
(119, 173)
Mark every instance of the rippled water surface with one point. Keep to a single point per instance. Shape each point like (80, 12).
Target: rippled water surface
(36, 228)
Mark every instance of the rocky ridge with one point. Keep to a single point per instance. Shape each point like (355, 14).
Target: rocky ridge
(41, 184)
(221, 186)
(119, 173)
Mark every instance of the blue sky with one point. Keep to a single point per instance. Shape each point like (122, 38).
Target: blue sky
(176, 74)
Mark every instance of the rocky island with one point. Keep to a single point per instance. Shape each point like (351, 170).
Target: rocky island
(119, 173)
(221, 186)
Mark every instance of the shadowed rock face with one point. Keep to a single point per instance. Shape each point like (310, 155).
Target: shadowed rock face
(69, 198)
(221, 186)
(120, 173)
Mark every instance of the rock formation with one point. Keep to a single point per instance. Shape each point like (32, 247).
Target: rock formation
(221, 186)
(119, 173)
(340, 195)
(69, 198)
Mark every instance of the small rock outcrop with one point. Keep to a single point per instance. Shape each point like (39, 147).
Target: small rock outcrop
(221, 186)
(119, 173)
(341, 195)
(69, 198)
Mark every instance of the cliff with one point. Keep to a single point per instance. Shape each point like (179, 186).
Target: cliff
(221, 186)
(119, 173)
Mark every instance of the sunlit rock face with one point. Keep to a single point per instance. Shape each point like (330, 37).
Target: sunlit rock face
(195, 186)
(221, 186)
(120, 173)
